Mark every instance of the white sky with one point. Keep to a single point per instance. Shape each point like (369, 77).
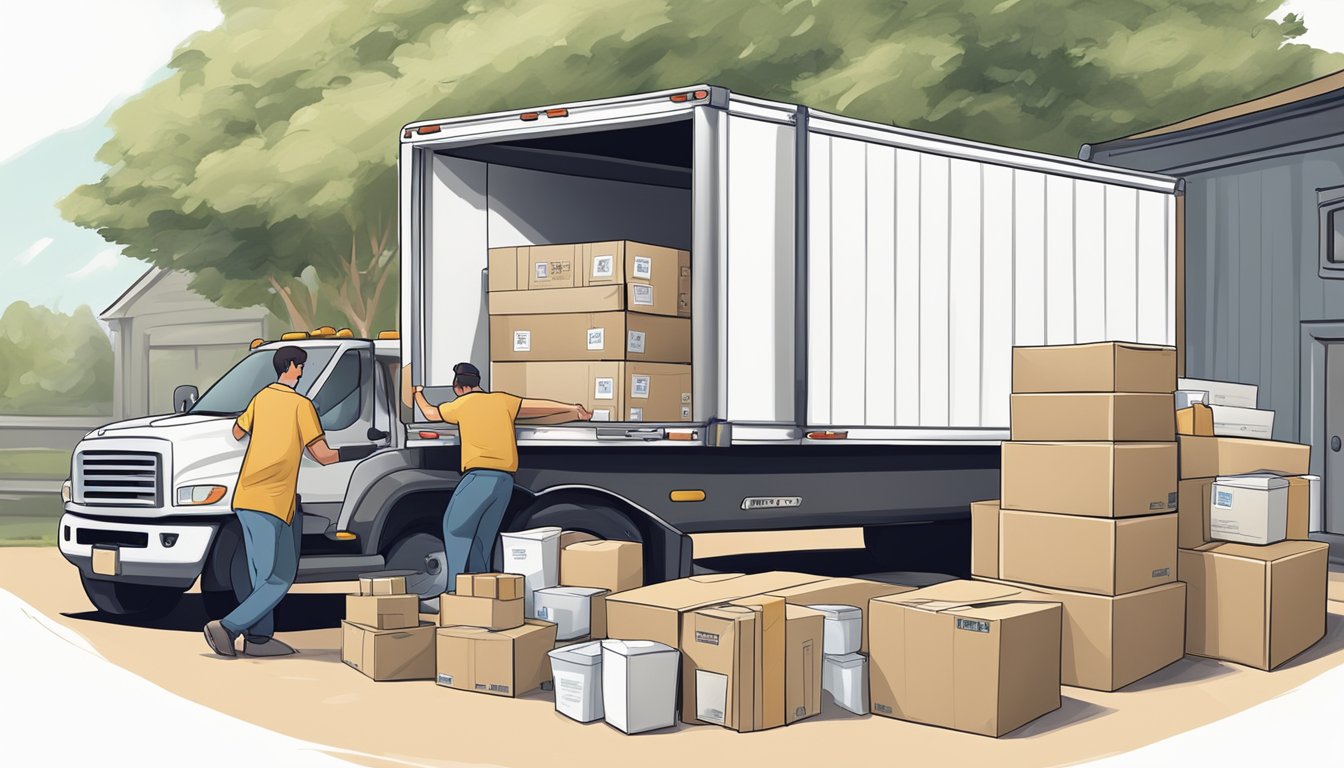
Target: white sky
(1325, 22)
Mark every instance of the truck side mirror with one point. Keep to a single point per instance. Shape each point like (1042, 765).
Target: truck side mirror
(184, 397)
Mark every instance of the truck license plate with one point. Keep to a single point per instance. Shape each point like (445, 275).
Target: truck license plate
(106, 560)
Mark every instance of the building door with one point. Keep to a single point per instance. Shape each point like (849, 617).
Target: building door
(1334, 437)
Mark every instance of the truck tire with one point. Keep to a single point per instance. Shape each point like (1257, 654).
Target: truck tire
(422, 553)
(224, 580)
(121, 599)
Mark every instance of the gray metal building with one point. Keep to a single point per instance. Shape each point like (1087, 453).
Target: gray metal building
(1261, 292)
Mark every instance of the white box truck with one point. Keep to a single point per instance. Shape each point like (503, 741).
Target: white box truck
(856, 292)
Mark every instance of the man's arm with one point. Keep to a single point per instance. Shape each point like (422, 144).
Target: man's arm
(323, 453)
(238, 433)
(430, 412)
(552, 412)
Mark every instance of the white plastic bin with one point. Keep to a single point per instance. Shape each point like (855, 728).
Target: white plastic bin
(844, 629)
(1250, 509)
(1315, 521)
(1223, 392)
(639, 685)
(569, 608)
(846, 679)
(536, 555)
(577, 671)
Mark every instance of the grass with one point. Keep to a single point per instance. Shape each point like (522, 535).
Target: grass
(34, 463)
(29, 521)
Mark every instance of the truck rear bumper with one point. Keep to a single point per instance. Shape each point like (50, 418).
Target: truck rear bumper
(170, 555)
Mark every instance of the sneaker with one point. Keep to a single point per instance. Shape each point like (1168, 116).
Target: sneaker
(430, 605)
(219, 639)
(262, 647)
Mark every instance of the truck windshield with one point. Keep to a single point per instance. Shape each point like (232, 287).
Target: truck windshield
(230, 395)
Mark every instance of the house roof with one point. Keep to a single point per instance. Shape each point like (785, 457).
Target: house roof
(139, 288)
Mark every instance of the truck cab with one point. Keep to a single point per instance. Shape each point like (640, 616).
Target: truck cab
(148, 503)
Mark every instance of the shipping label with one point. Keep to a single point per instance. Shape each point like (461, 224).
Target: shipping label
(522, 341)
(973, 625)
(1161, 573)
(1222, 499)
(634, 342)
(711, 696)
(883, 708)
(643, 295)
(597, 338)
(639, 386)
(543, 270)
(685, 411)
(604, 389)
(569, 688)
(604, 265)
(708, 638)
(518, 553)
(445, 679)
(643, 267)
(686, 398)
(636, 414)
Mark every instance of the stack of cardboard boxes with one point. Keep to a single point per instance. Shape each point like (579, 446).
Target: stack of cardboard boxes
(1089, 495)
(603, 324)
(484, 644)
(382, 635)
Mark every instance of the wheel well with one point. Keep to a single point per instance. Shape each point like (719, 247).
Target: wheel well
(418, 512)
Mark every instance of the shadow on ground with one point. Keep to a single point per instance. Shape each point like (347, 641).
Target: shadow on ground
(296, 613)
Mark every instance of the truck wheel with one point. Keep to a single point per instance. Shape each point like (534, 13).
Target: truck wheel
(224, 580)
(122, 599)
(422, 553)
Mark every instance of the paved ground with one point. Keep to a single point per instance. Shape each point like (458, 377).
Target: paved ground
(316, 700)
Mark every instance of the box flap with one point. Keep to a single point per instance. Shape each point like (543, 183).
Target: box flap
(535, 534)
(636, 647)
(951, 594)
(1267, 553)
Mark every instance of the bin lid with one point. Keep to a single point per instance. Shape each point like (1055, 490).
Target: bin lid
(838, 612)
(846, 660)
(1257, 481)
(636, 647)
(570, 591)
(587, 654)
(534, 534)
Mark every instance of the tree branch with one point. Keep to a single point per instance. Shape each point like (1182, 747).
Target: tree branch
(296, 316)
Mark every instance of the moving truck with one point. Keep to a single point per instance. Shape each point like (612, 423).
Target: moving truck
(855, 290)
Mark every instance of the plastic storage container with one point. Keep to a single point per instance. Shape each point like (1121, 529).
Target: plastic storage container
(570, 608)
(535, 554)
(844, 629)
(577, 671)
(1249, 509)
(846, 679)
(639, 685)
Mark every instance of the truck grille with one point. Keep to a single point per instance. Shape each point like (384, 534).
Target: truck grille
(119, 478)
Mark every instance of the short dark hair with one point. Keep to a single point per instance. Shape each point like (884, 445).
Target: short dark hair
(466, 375)
(286, 355)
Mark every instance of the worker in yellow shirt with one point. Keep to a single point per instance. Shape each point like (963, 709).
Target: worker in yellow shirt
(489, 458)
(282, 425)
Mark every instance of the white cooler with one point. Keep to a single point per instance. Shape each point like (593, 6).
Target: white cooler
(639, 684)
(846, 679)
(1250, 509)
(536, 555)
(844, 629)
(577, 671)
(569, 608)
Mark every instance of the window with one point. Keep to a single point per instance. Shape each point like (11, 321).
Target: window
(339, 399)
(235, 389)
(1330, 203)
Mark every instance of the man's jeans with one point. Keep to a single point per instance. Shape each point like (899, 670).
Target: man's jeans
(472, 520)
(272, 563)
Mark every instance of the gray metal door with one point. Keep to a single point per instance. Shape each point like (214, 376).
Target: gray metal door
(1334, 436)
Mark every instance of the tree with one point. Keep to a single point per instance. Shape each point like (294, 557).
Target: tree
(266, 163)
(52, 363)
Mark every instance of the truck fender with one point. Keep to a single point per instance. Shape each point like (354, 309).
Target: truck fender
(365, 513)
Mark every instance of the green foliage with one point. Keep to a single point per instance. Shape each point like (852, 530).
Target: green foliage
(53, 364)
(266, 163)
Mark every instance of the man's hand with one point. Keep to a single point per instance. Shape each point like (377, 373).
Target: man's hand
(430, 412)
(238, 433)
(582, 413)
(323, 453)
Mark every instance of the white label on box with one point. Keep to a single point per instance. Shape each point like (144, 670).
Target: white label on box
(635, 342)
(597, 338)
(1222, 499)
(685, 411)
(643, 267)
(636, 414)
(711, 696)
(544, 612)
(604, 389)
(445, 679)
(643, 295)
(522, 341)
(639, 386)
(604, 266)
(686, 397)
(602, 414)
(542, 272)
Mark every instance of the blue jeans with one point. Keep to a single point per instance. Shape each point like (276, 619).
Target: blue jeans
(272, 563)
(472, 520)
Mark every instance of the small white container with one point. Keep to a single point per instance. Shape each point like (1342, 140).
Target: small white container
(1231, 421)
(844, 629)
(639, 685)
(1223, 392)
(569, 608)
(1188, 397)
(846, 679)
(577, 671)
(1315, 521)
(536, 555)
(1250, 509)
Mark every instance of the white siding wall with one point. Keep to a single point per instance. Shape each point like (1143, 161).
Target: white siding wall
(924, 271)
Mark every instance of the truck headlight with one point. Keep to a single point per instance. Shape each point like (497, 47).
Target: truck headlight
(189, 495)
(67, 491)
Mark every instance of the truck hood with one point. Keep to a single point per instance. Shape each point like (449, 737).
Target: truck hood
(203, 447)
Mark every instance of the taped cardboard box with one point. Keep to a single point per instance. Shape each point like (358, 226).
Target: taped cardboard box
(613, 391)
(1109, 366)
(1192, 512)
(772, 616)
(498, 586)
(1102, 556)
(383, 611)
(1223, 392)
(967, 655)
(1250, 509)
(722, 645)
(1136, 417)
(612, 565)
(389, 654)
(985, 539)
(1231, 421)
(466, 611)
(1258, 606)
(590, 336)
(1196, 419)
(656, 279)
(507, 663)
(1214, 456)
(1110, 642)
(841, 591)
(599, 298)
(1091, 479)
(373, 584)
(804, 663)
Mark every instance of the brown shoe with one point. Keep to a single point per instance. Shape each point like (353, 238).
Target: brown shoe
(219, 639)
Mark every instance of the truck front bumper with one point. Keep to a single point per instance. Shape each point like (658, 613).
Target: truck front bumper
(159, 554)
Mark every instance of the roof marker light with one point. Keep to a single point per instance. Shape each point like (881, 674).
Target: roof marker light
(424, 129)
(529, 116)
(557, 113)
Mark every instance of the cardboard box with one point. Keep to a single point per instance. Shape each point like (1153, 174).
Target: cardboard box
(499, 586)
(845, 677)
(1109, 366)
(506, 663)
(1110, 642)
(1231, 421)
(966, 655)
(486, 612)
(656, 279)
(639, 685)
(590, 336)
(1251, 509)
(1128, 416)
(841, 591)
(613, 391)
(576, 611)
(1192, 512)
(721, 649)
(1092, 479)
(655, 612)
(771, 616)
(612, 565)
(600, 298)
(1299, 508)
(389, 654)
(804, 663)
(383, 611)
(535, 555)
(985, 539)
(1196, 419)
(577, 671)
(1223, 392)
(1102, 556)
(1214, 456)
(1258, 606)
(382, 585)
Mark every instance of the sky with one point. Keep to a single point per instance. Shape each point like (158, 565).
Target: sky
(108, 51)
